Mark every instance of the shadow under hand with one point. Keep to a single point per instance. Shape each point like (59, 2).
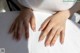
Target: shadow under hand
(75, 18)
(6, 41)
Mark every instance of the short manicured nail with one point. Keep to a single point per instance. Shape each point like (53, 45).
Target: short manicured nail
(52, 44)
(40, 29)
(47, 44)
(61, 42)
(34, 30)
(40, 39)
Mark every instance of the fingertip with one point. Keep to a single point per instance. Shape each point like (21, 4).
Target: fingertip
(26, 35)
(16, 39)
(40, 38)
(62, 41)
(40, 29)
(34, 29)
(52, 44)
(10, 31)
(47, 43)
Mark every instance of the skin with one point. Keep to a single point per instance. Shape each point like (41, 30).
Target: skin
(21, 24)
(52, 28)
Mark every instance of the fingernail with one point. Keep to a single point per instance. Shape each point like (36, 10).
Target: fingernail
(61, 42)
(26, 36)
(52, 44)
(40, 40)
(34, 30)
(47, 44)
(40, 29)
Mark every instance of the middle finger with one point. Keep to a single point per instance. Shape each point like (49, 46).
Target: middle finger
(45, 31)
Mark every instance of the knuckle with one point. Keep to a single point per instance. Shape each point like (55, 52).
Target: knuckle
(50, 24)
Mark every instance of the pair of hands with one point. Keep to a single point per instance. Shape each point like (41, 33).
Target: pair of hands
(52, 27)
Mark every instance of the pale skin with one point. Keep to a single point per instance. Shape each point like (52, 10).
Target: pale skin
(52, 28)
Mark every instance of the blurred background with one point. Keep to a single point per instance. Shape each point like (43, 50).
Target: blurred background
(3, 6)
(8, 5)
(11, 5)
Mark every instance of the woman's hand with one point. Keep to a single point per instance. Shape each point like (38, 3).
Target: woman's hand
(25, 17)
(53, 27)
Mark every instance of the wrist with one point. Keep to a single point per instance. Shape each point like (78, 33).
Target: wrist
(75, 8)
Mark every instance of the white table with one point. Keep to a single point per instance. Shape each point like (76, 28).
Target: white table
(6, 41)
(71, 44)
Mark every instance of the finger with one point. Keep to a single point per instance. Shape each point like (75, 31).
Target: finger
(44, 24)
(14, 35)
(13, 26)
(62, 34)
(18, 31)
(33, 23)
(45, 32)
(15, 32)
(50, 37)
(54, 38)
(16, 27)
(26, 27)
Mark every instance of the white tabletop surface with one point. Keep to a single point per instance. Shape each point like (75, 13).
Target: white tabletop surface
(71, 44)
(6, 41)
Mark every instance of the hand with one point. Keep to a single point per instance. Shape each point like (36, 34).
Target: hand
(53, 27)
(25, 17)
